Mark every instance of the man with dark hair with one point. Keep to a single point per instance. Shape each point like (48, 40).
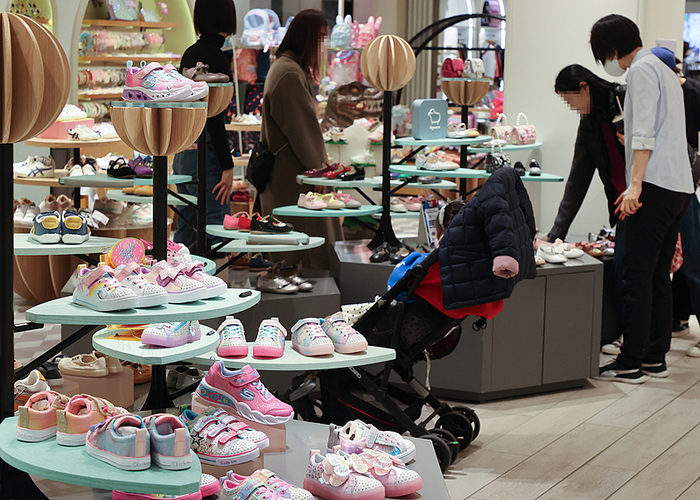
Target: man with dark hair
(659, 187)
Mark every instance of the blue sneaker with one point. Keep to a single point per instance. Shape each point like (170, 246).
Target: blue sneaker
(46, 228)
(74, 228)
(120, 441)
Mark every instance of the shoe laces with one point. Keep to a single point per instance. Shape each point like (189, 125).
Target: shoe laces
(342, 326)
(269, 332)
(232, 331)
(261, 389)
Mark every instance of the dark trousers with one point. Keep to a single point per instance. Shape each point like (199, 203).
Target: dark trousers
(650, 241)
(686, 281)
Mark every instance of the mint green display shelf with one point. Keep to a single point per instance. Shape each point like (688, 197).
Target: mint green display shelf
(295, 211)
(399, 215)
(291, 360)
(372, 182)
(113, 194)
(507, 147)
(238, 246)
(234, 234)
(105, 181)
(96, 244)
(445, 141)
(64, 312)
(72, 465)
(209, 265)
(136, 352)
(469, 173)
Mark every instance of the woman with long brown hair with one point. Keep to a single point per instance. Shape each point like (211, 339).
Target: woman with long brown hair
(290, 129)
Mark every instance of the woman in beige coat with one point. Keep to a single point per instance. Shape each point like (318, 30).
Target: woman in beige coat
(290, 128)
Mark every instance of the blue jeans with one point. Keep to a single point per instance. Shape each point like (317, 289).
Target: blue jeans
(690, 239)
(185, 163)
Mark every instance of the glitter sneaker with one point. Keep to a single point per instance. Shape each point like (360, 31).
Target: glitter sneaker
(243, 391)
(267, 479)
(199, 89)
(171, 334)
(232, 343)
(270, 340)
(98, 289)
(336, 478)
(216, 444)
(81, 412)
(397, 480)
(170, 441)
(180, 288)
(151, 83)
(149, 295)
(346, 340)
(37, 417)
(356, 436)
(208, 485)
(259, 438)
(309, 338)
(194, 270)
(120, 441)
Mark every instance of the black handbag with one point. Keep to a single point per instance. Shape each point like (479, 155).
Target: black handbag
(260, 166)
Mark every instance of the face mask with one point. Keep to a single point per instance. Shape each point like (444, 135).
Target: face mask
(613, 68)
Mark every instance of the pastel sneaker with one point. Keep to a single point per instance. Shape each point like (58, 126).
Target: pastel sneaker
(151, 83)
(37, 417)
(74, 228)
(270, 340)
(397, 480)
(356, 436)
(311, 201)
(171, 334)
(81, 412)
(232, 342)
(149, 295)
(258, 438)
(208, 485)
(84, 365)
(243, 391)
(269, 480)
(309, 338)
(336, 478)
(199, 89)
(170, 441)
(194, 270)
(46, 228)
(180, 288)
(98, 289)
(346, 340)
(248, 489)
(216, 444)
(120, 441)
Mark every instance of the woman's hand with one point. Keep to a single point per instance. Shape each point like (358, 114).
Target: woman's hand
(621, 138)
(224, 188)
(628, 203)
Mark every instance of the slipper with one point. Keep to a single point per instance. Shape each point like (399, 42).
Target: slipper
(120, 169)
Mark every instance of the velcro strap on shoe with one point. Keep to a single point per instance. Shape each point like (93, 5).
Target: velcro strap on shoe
(95, 275)
(247, 488)
(304, 321)
(201, 423)
(245, 377)
(371, 435)
(127, 270)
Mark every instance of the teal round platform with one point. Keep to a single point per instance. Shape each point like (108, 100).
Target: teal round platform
(469, 173)
(135, 198)
(136, 352)
(234, 234)
(63, 312)
(238, 246)
(507, 147)
(105, 181)
(399, 215)
(172, 179)
(295, 211)
(209, 265)
(445, 141)
(292, 360)
(371, 182)
(96, 244)
(72, 465)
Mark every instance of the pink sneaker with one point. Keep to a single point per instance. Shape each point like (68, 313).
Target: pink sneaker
(346, 340)
(180, 288)
(268, 479)
(232, 343)
(270, 340)
(199, 89)
(391, 472)
(171, 334)
(208, 485)
(194, 270)
(37, 417)
(336, 478)
(82, 411)
(151, 83)
(245, 393)
(309, 338)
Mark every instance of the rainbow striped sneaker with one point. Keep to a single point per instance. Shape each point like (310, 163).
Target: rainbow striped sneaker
(309, 338)
(98, 289)
(151, 83)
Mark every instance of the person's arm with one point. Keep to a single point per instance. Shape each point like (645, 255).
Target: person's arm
(219, 141)
(628, 202)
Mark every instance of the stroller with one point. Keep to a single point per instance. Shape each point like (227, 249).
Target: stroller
(412, 326)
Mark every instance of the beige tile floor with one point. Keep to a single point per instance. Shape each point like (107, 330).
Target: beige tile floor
(603, 441)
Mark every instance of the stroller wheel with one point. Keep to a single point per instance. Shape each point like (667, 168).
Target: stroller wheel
(450, 440)
(459, 425)
(471, 415)
(442, 451)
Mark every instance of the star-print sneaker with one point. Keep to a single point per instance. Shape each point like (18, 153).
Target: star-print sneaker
(244, 431)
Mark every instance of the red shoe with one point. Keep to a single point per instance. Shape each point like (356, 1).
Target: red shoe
(231, 221)
(320, 171)
(333, 174)
(240, 197)
(244, 221)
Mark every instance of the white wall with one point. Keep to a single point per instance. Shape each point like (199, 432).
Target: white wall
(542, 38)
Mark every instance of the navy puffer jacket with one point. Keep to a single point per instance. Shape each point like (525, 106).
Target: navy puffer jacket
(498, 220)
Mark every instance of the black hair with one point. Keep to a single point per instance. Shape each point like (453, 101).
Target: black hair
(451, 210)
(614, 35)
(215, 16)
(306, 30)
(569, 80)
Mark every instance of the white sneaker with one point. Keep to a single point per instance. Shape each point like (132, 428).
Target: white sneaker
(149, 294)
(98, 289)
(232, 341)
(612, 348)
(32, 384)
(694, 352)
(31, 212)
(103, 163)
(34, 169)
(71, 113)
(21, 209)
(83, 133)
(88, 169)
(75, 170)
(365, 158)
(105, 130)
(270, 340)
(21, 164)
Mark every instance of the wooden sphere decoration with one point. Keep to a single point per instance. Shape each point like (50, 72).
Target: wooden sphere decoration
(34, 78)
(218, 99)
(465, 92)
(388, 62)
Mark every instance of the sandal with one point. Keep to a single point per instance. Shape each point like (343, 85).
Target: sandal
(141, 170)
(269, 224)
(120, 169)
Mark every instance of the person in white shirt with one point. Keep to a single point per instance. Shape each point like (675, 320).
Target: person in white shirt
(659, 187)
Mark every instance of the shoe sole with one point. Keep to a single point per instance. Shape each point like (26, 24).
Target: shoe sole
(140, 94)
(663, 374)
(75, 239)
(612, 351)
(326, 350)
(193, 295)
(216, 290)
(233, 351)
(65, 439)
(229, 460)
(153, 300)
(46, 239)
(241, 408)
(35, 435)
(403, 489)
(172, 463)
(638, 380)
(350, 348)
(331, 493)
(124, 463)
(108, 305)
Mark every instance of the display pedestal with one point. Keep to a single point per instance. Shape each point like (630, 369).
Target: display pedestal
(276, 433)
(118, 388)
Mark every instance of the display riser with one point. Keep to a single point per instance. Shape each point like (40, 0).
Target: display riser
(360, 280)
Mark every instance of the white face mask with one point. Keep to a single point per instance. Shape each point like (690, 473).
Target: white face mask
(613, 68)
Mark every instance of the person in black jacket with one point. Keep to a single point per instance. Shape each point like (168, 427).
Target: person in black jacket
(597, 147)
(214, 20)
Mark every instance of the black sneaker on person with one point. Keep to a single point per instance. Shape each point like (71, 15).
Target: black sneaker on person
(613, 372)
(680, 328)
(656, 370)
